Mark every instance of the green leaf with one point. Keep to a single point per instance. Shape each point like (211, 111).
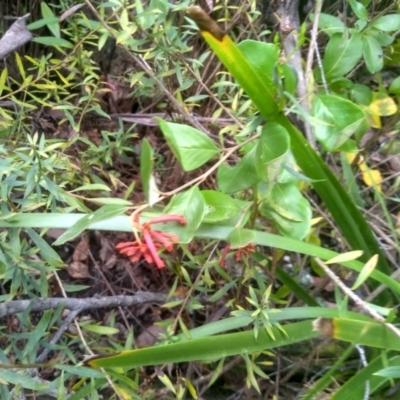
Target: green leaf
(146, 166)
(289, 209)
(53, 41)
(359, 10)
(341, 55)
(209, 348)
(371, 334)
(91, 187)
(350, 255)
(365, 272)
(241, 176)
(329, 24)
(191, 205)
(395, 86)
(387, 23)
(240, 237)
(335, 119)
(47, 13)
(101, 330)
(48, 254)
(19, 378)
(373, 54)
(271, 148)
(191, 147)
(99, 215)
(220, 206)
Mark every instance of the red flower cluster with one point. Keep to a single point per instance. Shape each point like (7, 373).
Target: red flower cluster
(152, 241)
(240, 253)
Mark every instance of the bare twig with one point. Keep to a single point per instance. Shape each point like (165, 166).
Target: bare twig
(16, 306)
(357, 300)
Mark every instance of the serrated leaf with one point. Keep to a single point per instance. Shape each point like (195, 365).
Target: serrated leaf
(191, 147)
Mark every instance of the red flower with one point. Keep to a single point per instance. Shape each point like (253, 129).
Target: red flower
(152, 241)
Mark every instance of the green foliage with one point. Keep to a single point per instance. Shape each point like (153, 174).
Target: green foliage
(250, 185)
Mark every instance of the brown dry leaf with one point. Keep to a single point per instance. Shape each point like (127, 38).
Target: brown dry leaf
(149, 337)
(81, 251)
(78, 270)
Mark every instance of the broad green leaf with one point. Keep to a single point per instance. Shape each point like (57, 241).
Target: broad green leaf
(359, 10)
(103, 213)
(390, 372)
(329, 24)
(240, 237)
(48, 14)
(263, 57)
(146, 166)
(289, 209)
(373, 54)
(393, 88)
(387, 23)
(220, 206)
(241, 176)
(191, 205)
(335, 119)
(53, 41)
(271, 148)
(347, 216)
(341, 55)
(191, 147)
(209, 348)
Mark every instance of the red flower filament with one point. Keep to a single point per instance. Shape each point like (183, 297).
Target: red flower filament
(152, 241)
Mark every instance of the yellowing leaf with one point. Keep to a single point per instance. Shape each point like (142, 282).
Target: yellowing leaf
(371, 177)
(374, 121)
(383, 107)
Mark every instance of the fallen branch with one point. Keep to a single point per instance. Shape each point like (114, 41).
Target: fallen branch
(15, 37)
(16, 306)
